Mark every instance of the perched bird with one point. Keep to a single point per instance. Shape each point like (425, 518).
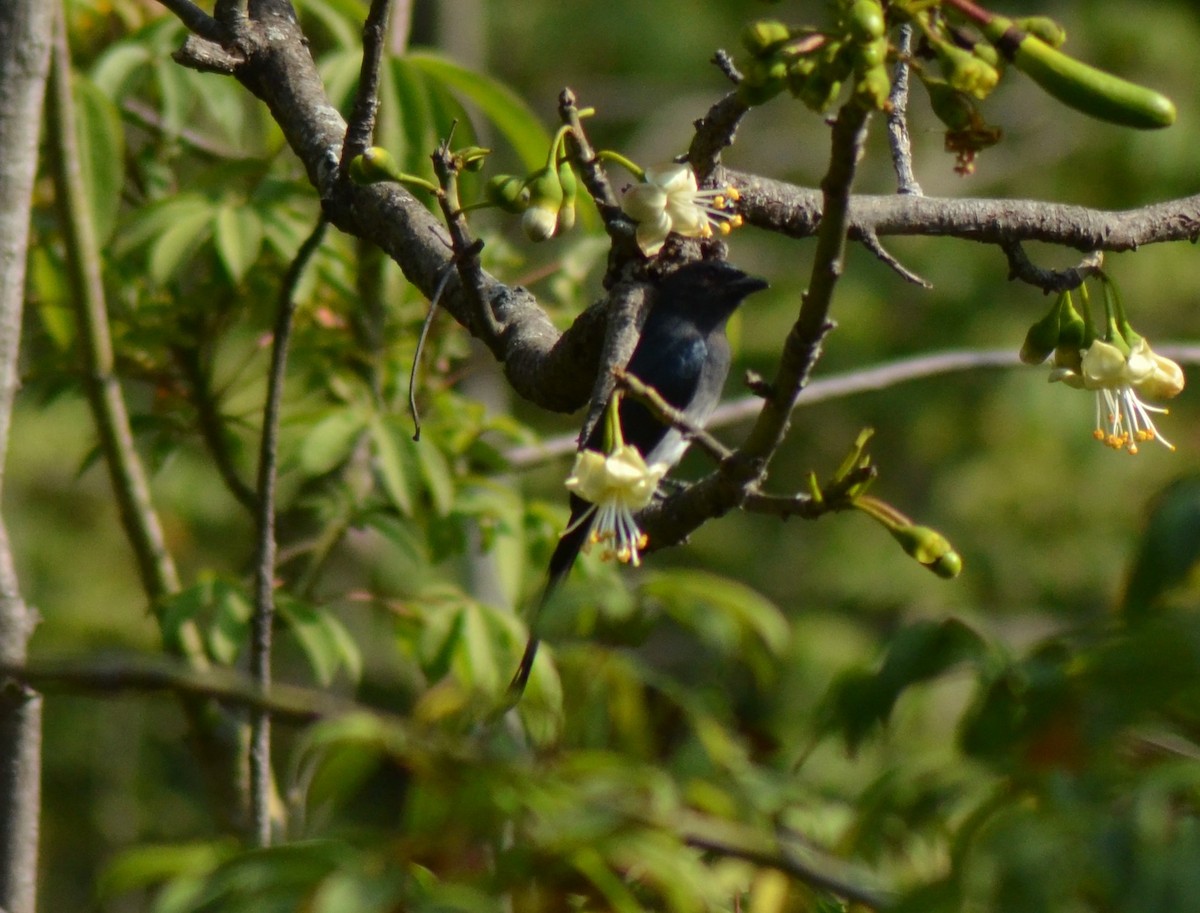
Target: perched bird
(683, 353)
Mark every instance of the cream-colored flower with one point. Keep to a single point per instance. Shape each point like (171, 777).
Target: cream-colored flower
(1123, 419)
(618, 486)
(668, 200)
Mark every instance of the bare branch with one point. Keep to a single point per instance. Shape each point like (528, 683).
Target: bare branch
(196, 20)
(366, 99)
(1048, 280)
(261, 781)
(897, 119)
(871, 242)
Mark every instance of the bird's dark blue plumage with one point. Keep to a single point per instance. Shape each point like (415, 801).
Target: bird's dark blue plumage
(683, 353)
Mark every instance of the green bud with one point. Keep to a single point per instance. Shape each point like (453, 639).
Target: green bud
(870, 54)
(1043, 336)
(873, 88)
(819, 92)
(930, 548)
(952, 107)
(508, 192)
(1077, 85)
(570, 189)
(764, 36)
(375, 165)
(966, 72)
(762, 80)
(987, 54)
(472, 158)
(1073, 330)
(1045, 28)
(540, 219)
(865, 20)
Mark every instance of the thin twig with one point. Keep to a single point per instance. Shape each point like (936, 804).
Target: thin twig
(361, 127)
(197, 21)
(130, 486)
(231, 13)
(871, 242)
(264, 588)
(897, 119)
(447, 272)
(668, 414)
(1048, 280)
(595, 178)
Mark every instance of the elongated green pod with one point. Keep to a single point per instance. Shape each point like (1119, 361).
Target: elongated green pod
(1078, 85)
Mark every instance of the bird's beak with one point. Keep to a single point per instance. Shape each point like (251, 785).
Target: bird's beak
(748, 285)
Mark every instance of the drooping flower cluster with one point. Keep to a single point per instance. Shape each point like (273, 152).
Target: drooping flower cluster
(668, 200)
(1121, 368)
(617, 484)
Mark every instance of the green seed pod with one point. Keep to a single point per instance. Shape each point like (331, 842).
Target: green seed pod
(508, 192)
(1043, 336)
(570, 188)
(373, 166)
(1045, 28)
(819, 92)
(764, 36)
(1077, 85)
(952, 107)
(762, 80)
(865, 20)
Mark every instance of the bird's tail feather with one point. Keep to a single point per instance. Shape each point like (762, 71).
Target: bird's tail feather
(561, 562)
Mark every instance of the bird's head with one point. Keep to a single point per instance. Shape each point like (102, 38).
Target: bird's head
(707, 291)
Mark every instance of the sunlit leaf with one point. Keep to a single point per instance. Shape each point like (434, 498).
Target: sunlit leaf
(238, 235)
(101, 153)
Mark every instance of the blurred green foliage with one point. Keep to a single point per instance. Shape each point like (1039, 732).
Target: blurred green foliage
(1023, 738)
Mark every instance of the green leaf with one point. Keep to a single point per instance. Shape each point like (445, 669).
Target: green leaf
(1167, 567)
(325, 641)
(390, 462)
(499, 104)
(146, 866)
(330, 441)
(436, 474)
(101, 153)
(238, 235)
(176, 246)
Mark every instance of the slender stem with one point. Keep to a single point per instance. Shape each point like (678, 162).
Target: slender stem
(196, 20)
(26, 28)
(366, 100)
(261, 783)
(129, 481)
(803, 345)
(897, 119)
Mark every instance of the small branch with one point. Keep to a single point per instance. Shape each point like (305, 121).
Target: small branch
(595, 178)
(870, 241)
(425, 325)
(669, 415)
(628, 305)
(714, 132)
(141, 674)
(366, 99)
(1048, 280)
(197, 21)
(897, 119)
(129, 482)
(264, 589)
(466, 250)
(231, 14)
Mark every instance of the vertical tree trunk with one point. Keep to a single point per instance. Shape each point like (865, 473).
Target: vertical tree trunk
(25, 33)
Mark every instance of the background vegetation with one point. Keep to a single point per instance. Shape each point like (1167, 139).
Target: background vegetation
(1044, 757)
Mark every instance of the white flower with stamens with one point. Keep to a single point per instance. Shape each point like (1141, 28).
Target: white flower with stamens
(668, 200)
(1123, 419)
(618, 486)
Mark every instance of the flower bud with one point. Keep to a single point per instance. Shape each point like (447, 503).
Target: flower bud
(873, 88)
(865, 20)
(930, 548)
(764, 36)
(545, 199)
(570, 187)
(472, 158)
(508, 192)
(966, 72)
(373, 166)
(952, 107)
(1042, 337)
(1045, 28)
